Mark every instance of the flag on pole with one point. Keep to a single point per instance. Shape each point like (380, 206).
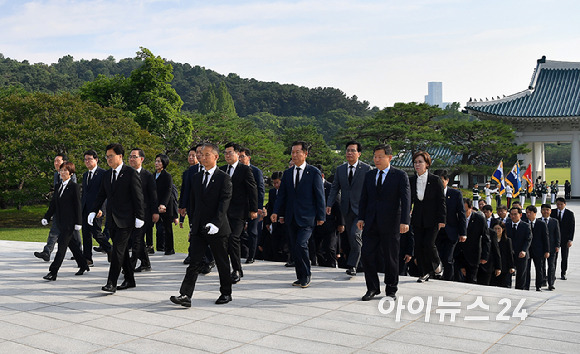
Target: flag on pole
(498, 178)
(513, 179)
(528, 177)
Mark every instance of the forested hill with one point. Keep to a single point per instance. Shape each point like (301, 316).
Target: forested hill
(250, 95)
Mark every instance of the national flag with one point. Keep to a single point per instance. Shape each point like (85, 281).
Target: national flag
(498, 178)
(528, 177)
(513, 179)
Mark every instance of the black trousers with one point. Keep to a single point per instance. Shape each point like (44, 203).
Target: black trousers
(470, 270)
(552, 260)
(446, 248)
(376, 240)
(219, 247)
(234, 246)
(540, 271)
(521, 270)
(90, 232)
(565, 250)
(65, 239)
(425, 249)
(504, 280)
(139, 251)
(120, 254)
(167, 222)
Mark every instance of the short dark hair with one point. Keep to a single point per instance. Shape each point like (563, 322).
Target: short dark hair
(561, 199)
(532, 208)
(442, 174)
(385, 147)
(198, 145)
(516, 208)
(468, 202)
(164, 160)
(140, 151)
(305, 145)
(92, 153)
(236, 147)
(354, 142)
(116, 147)
(488, 208)
(502, 207)
(318, 166)
(425, 156)
(193, 148)
(69, 166)
(277, 175)
(246, 151)
(543, 206)
(63, 155)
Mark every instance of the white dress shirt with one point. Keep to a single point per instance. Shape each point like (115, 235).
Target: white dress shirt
(421, 185)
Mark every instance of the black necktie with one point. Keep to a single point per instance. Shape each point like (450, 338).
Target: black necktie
(380, 181)
(90, 177)
(230, 170)
(515, 227)
(350, 174)
(205, 178)
(560, 215)
(297, 177)
(546, 220)
(114, 177)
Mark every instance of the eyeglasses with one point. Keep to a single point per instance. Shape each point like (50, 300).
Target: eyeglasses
(108, 157)
(134, 157)
(89, 159)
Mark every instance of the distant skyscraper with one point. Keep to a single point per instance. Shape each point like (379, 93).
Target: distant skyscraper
(435, 96)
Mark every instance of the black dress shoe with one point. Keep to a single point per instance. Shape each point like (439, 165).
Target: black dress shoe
(538, 289)
(223, 299)
(305, 283)
(392, 296)
(289, 264)
(187, 260)
(563, 277)
(423, 279)
(249, 261)
(126, 285)
(168, 253)
(370, 294)
(110, 288)
(236, 277)
(141, 268)
(82, 271)
(351, 271)
(551, 287)
(182, 300)
(50, 276)
(42, 255)
(150, 250)
(90, 263)
(99, 249)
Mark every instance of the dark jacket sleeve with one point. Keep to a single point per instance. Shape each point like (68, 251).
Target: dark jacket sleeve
(78, 207)
(224, 201)
(252, 189)
(405, 192)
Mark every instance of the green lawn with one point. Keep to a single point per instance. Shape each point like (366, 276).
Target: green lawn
(561, 174)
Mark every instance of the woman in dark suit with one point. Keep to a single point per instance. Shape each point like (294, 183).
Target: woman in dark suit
(66, 207)
(428, 215)
(164, 184)
(504, 278)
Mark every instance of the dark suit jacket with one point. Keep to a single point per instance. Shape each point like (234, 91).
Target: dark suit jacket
(521, 239)
(432, 210)
(553, 234)
(335, 218)
(124, 200)
(455, 225)
(259, 178)
(186, 180)
(507, 254)
(149, 194)
(244, 193)
(56, 180)
(91, 190)
(540, 241)
(567, 225)
(477, 245)
(389, 208)
(349, 194)
(66, 208)
(164, 186)
(304, 204)
(210, 204)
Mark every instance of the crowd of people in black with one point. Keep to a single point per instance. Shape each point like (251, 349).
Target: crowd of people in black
(365, 219)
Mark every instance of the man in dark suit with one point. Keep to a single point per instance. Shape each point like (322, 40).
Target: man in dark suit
(211, 192)
(244, 204)
(347, 187)
(301, 206)
(151, 208)
(567, 228)
(554, 240)
(121, 187)
(474, 249)
(186, 178)
(91, 185)
(255, 225)
(59, 159)
(455, 226)
(520, 233)
(384, 214)
(539, 248)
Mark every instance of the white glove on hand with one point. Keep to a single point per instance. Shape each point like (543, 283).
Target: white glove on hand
(212, 229)
(139, 223)
(44, 222)
(90, 218)
(78, 227)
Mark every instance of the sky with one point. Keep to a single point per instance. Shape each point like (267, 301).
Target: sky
(381, 51)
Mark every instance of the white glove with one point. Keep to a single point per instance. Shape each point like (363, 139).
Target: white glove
(139, 223)
(44, 222)
(78, 227)
(90, 218)
(212, 229)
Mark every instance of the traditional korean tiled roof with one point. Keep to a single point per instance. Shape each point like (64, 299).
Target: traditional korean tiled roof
(441, 156)
(553, 92)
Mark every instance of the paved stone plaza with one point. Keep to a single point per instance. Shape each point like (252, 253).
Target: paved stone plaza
(267, 314)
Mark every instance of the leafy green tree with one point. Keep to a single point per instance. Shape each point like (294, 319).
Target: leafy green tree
(217, 101)
(319, 154)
